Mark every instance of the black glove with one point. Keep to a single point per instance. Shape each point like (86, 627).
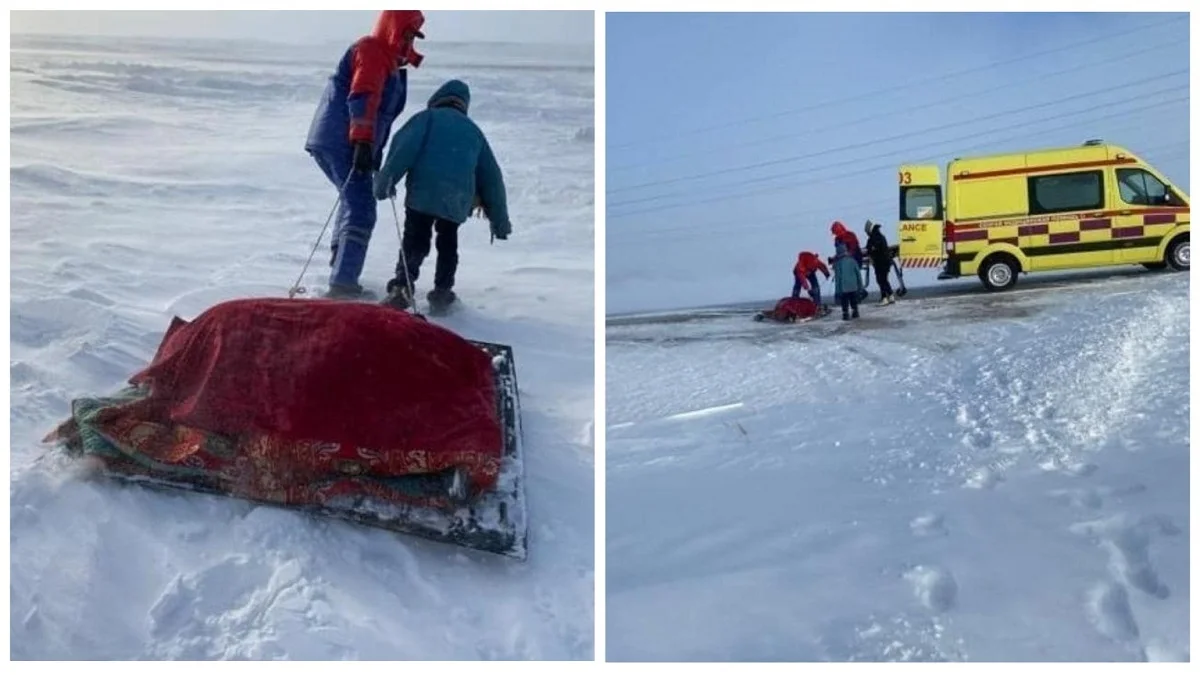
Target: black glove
(363, 160)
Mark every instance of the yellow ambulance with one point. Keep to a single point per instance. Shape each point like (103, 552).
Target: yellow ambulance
(1093, 205)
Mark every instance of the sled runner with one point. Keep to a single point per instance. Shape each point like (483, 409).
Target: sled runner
(347, 410)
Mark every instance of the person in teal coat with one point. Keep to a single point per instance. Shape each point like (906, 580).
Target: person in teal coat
(846, 281)
(449, 170)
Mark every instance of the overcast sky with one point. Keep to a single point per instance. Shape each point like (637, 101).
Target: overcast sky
(734, 140)
(297, 26)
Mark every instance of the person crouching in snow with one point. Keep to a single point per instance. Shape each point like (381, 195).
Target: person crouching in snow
(848, 239)
(449, 167)
(353, 119)
(881, 259)
(805, 276)
(847, 281)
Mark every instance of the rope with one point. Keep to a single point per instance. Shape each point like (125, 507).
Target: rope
(404, 259)
(296, 288)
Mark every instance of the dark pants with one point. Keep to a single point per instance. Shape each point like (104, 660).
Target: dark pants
(355, 219)
(882, 271)
(419, 229)
(849, 302)
(814, 290)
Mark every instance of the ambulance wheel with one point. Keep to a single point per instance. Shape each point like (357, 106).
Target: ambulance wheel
(999, 272)
(1179, 254)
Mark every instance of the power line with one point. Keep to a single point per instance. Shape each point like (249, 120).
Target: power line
(907, 109)
(1172, 150)
(792, 216)
(894, 153)
(825, 165)
(1124, 33)
(915, 149)
(875, 141)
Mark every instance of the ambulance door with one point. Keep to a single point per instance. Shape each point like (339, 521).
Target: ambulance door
(920, 220)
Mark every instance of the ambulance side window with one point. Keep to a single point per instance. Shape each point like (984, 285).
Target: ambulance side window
(1139, 188)
(921, 203)
(1065, 192)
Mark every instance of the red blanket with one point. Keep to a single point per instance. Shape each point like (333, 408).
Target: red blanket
(798, 308)
(360, 375)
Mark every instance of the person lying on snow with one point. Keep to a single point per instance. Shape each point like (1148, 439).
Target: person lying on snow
(790, 310)
(805, 276)
(847, 281)
(449, 168)
(364, 96)
(848, 239)
(881, 259)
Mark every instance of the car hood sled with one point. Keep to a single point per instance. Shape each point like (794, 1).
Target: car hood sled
(790, 310)
(344, 410)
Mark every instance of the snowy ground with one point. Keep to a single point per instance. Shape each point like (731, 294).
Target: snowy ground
(153, 179)
(983, 477)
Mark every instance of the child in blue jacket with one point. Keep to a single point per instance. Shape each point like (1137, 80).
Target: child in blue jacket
(847, 281)
(449, 169)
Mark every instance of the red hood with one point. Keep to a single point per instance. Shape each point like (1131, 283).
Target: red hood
(838, 228)
(398, 28)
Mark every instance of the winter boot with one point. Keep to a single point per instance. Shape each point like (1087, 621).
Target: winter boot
(855, 314)
(344, 292)
(400, 295)
(441, 297)
(348, 260)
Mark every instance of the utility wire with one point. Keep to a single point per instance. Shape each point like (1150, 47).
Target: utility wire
(1123, 33)
(876, 141)
(774, 222)
(792, 215)
(912, 150)
(922, 148)
(808, 132)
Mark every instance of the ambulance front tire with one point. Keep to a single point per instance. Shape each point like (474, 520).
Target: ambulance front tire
(1179, 254)
(999, 272)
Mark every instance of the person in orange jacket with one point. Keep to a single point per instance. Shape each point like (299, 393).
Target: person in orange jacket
(362, 98)
(849, 239)
(805, 276)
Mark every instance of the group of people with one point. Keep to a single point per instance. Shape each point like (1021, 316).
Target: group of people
(449, 167)
(848, 259)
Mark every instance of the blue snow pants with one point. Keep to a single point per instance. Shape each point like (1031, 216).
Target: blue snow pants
(355, 218)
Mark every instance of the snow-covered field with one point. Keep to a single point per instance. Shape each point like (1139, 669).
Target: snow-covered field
(151, 179)
(982, 477)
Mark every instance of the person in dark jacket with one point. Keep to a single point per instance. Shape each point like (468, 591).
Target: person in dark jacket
(847, 281)
(881, 259)
(448, 167)
(362, 99)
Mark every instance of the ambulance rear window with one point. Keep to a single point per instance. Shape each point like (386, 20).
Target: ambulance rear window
(922, 203)
(1063, 192)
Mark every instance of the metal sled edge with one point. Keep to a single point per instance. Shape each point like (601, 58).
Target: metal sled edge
(496, 522)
